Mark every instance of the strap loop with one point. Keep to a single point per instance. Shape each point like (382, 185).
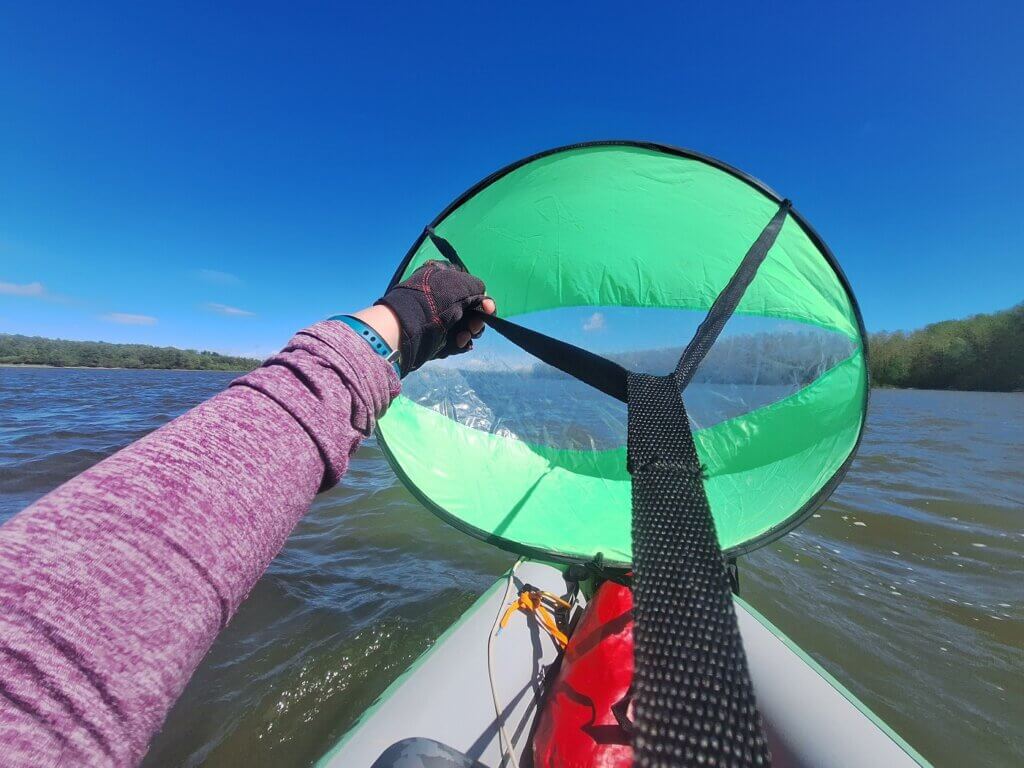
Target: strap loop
(446, 249)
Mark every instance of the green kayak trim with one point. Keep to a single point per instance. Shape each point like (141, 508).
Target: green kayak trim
(842, 689)
(367, 719)
(410, 670)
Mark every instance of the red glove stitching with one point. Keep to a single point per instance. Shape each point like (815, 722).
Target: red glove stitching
(430, 297)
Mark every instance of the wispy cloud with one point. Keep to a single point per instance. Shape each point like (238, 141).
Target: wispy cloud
(125, 318)
(22, 289)
(216, 277)
(594, 323)
(224, 309)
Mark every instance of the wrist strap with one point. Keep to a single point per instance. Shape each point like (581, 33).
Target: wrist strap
(371, 337)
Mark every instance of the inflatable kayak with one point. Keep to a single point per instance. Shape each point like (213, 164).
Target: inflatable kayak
(811, 719)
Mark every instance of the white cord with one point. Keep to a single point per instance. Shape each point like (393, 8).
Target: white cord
(504, 742)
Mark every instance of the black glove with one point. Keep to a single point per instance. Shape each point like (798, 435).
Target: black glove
(432, 309)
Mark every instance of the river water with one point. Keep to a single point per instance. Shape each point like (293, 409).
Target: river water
(907, 585)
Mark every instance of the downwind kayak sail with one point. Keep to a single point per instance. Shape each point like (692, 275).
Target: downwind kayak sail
(605, 231)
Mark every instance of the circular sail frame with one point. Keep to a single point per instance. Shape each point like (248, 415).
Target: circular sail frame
(753, 543)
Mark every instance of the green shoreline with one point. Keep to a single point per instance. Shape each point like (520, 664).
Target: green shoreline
(19, 350)
(981, 353)
(121, 368)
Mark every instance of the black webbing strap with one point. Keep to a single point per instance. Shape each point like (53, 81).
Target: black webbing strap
(445, 248)
(727, 301)
(694, 702)
(599, 372)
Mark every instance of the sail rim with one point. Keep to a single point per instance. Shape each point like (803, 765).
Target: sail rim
(767, 536)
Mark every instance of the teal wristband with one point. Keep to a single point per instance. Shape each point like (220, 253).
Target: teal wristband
(377, 344)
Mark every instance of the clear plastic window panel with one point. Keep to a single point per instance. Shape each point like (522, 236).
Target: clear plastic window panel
(498, 388)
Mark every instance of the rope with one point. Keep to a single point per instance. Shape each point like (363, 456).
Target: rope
(504, 742)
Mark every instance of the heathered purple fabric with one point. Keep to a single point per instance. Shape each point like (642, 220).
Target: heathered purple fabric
(114, 586)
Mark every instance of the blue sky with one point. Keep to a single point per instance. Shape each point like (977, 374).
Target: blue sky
(219, 177)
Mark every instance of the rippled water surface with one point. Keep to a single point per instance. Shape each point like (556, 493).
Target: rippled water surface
(907, 585)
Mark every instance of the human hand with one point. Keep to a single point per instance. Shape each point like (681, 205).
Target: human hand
(433, 310)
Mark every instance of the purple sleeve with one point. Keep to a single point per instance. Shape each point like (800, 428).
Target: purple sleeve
(114, 586)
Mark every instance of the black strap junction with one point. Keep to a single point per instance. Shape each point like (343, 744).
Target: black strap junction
(694, 701)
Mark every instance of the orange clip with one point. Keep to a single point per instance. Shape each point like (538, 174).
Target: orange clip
(531, 601)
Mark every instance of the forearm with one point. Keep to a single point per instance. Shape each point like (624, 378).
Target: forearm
(113, 587)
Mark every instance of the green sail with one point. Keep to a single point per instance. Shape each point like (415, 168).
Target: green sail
(635, 225)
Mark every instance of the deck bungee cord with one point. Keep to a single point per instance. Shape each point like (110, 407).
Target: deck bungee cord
(504, 740)
(644, 225)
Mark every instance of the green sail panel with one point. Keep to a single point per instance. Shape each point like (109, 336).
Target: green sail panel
(629, 226)
(636, 225)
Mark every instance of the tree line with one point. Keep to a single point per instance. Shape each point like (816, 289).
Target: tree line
(757, 358)
(752, 358)
(983, 352)
(36, 350)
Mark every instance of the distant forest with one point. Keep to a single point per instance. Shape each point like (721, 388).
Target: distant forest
(756, 358)
(760, 358)
(984, 352)
(35, 350)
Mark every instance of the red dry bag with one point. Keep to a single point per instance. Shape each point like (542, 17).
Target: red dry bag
(586, 716)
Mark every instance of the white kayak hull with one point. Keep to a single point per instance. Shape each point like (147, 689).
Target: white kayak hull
(812, 720)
